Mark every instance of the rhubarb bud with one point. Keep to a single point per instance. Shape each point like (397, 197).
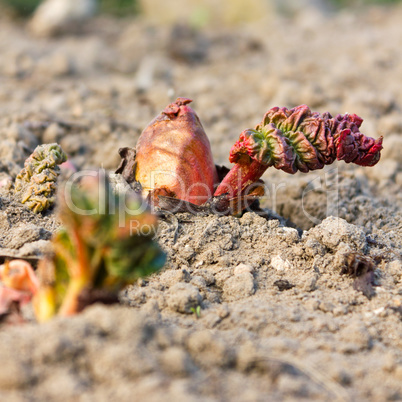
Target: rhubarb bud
(19, 275)
(174, 158)
(35, 185)
(18, 283)
(297, 139)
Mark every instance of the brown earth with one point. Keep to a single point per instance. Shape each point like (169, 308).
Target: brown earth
(277, 321)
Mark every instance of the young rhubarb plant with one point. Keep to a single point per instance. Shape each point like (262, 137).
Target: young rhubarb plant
(98, 251)
(296, 139)
(173, 157)
(36, 185)
(18, 283)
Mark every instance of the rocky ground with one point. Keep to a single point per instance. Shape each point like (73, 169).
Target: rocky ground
(277, 319)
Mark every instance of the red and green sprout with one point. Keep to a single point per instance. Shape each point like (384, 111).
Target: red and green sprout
(173, 157)
(99, 249)
(296, 139)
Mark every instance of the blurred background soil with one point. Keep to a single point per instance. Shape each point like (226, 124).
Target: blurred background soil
(277, 321)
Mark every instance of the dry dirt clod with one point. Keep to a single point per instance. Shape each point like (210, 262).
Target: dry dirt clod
(183, 297)
(283, 284)
(239, 286)
(361, 268)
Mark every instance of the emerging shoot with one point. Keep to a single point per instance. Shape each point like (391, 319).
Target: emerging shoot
(106, 242)
(296, 139)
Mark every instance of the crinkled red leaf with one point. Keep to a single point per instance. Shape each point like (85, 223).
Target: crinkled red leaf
(299, 139)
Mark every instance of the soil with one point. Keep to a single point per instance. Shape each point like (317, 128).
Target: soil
(277, 319)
